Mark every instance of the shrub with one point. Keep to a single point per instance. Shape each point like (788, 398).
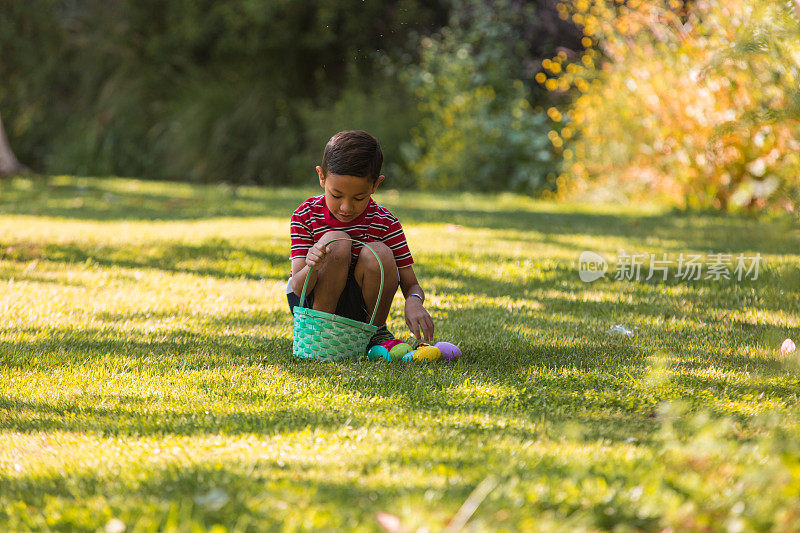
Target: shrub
(697, 101)
(478, 129)
(380, 106)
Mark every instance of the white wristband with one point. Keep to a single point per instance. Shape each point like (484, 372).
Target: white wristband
(417, 295)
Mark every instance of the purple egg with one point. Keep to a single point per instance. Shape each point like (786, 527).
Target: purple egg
(449, 350)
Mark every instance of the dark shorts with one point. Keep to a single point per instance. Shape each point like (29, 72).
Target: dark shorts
(351, 303)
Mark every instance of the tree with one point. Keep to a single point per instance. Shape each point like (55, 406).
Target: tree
(8, 161)
(474, 84)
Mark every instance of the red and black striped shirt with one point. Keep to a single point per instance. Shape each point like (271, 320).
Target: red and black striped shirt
(312, 220)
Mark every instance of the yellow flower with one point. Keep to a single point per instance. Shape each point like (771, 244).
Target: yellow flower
(554, 114)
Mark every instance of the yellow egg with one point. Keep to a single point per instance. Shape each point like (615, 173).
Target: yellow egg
(427, 353)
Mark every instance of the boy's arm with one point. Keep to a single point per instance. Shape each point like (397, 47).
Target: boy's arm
(417, 318)
(315, 257)
(299, 272)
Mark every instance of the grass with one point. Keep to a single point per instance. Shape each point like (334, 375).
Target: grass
(146, 377)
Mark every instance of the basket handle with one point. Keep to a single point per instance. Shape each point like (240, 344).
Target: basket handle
(380, 264)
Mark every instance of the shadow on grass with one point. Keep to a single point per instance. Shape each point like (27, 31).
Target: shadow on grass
(420, 388)
(552, 373)
(530, 387)
(655, 297)
(181, 350)
(721, 233)
(239, 319)
(250, 494)
(259, 495)
(97, 201)
(137, 415)
(215, 257)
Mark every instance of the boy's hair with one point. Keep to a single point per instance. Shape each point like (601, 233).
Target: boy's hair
(353, 153)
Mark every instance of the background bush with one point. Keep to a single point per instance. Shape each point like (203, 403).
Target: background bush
(696, 101)
(205, 91)
(473, 80)
(249, 92)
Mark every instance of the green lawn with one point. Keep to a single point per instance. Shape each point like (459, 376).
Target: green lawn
(146, 376)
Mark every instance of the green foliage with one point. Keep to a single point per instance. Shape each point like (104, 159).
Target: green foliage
(204, 90)
(478, 130)
(146, 376)
(31, 61)
(249, 92)
(381, 106)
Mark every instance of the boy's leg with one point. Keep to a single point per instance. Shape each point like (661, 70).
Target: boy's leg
(368, 275)
(332, 275)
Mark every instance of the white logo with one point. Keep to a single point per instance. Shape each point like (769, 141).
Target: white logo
(591, 266)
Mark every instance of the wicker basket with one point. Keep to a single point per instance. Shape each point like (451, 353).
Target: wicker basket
(328, 337)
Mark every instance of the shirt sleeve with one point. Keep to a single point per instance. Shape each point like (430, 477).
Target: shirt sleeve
(395, 239)
(300, 233)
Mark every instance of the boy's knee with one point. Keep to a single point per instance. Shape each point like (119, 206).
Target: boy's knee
(340, 250)
(369, 261)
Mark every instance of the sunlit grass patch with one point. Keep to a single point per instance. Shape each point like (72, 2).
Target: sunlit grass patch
(146, 371)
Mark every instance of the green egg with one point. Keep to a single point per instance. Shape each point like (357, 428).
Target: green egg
(397, 353)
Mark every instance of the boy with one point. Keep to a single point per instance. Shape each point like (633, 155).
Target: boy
(346, 277)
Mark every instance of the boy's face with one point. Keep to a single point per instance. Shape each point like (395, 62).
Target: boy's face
(347, 196)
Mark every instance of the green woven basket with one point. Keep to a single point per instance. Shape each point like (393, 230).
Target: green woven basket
(328, 337)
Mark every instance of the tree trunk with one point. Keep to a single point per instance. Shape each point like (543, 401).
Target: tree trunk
(8, 161)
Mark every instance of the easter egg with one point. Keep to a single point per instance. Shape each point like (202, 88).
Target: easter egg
(398, 351)
(409, 356)
(427, 353)
(391, 343)
(449, 350)
(377, 352)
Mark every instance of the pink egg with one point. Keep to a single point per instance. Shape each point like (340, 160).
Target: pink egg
(449, 350)
(390, 343)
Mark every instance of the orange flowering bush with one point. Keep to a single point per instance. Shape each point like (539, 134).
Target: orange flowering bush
(699, 102)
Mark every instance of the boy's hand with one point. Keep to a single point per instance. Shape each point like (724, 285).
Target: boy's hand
(317, 255)
(418, 320)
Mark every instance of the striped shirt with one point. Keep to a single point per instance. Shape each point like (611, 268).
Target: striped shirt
(312, 220)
